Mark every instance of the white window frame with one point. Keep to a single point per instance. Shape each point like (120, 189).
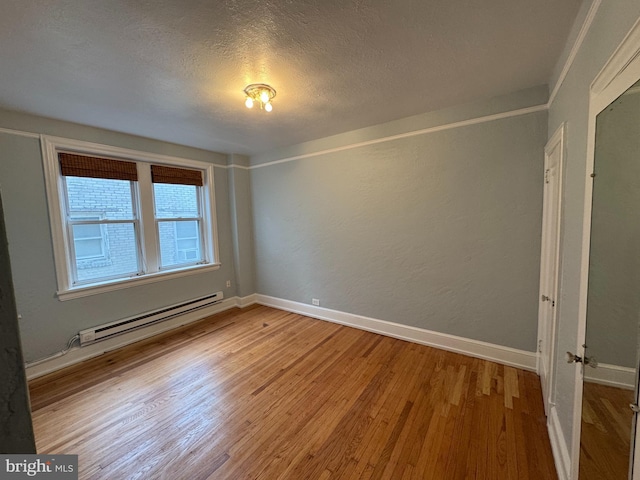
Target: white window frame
(56, 199)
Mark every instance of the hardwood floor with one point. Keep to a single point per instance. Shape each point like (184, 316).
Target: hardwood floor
(605, 443)
(265, 394)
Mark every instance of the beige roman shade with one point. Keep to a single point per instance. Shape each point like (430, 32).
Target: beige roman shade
(181, 176)
(74, 165)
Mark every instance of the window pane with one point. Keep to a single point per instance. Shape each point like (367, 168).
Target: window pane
(187, 243)
(179, 243)
(186, 229)
(119, 258)
(86, 231)
(99, 198)
(89, 248)
(88, 241)
(175, 200)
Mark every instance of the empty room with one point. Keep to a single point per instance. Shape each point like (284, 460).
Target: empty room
(319, 240)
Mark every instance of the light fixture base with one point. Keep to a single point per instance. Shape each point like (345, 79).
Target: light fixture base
(261, 94)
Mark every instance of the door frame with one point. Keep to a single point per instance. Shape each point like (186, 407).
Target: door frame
(620, 71)
(556, 142)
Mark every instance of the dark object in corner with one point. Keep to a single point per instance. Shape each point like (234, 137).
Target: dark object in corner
(16, 430)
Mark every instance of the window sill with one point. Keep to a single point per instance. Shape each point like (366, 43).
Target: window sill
(97, 288)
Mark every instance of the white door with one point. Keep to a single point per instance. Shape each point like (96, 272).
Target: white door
(550, 260)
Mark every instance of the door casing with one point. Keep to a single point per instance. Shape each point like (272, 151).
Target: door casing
(550, 265)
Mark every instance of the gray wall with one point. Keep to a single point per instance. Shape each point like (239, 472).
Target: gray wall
(613, 305)
(439, 231)
(48, 323)
(571, 105)
(242, 225)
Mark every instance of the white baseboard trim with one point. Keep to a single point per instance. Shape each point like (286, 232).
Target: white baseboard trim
(243, 302)
(465, 346)
(77, 354)
(612, 376)
(559, 447)
(474, 348)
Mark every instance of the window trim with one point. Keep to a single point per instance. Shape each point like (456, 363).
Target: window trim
(55, 200)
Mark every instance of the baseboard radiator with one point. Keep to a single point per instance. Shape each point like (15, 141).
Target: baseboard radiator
(102, 332)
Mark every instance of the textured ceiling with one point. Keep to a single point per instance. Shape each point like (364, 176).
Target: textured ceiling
(175, 69)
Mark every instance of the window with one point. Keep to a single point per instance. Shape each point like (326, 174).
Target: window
(179, 223)
(120, 216)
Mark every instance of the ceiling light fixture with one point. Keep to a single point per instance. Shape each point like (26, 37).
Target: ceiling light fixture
(259, 93)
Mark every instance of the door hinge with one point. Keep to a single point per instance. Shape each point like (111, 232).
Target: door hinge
(546, 175)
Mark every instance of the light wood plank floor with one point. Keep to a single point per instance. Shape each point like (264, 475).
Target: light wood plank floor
(605, 443)
(265, 394)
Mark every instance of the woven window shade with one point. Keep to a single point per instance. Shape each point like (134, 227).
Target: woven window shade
(181, 176)
(73, 165)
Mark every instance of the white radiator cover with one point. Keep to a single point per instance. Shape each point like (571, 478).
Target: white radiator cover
(108, 330)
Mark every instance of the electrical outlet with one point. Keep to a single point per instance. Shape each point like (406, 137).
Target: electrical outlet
(315, 301)
(228, 283)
